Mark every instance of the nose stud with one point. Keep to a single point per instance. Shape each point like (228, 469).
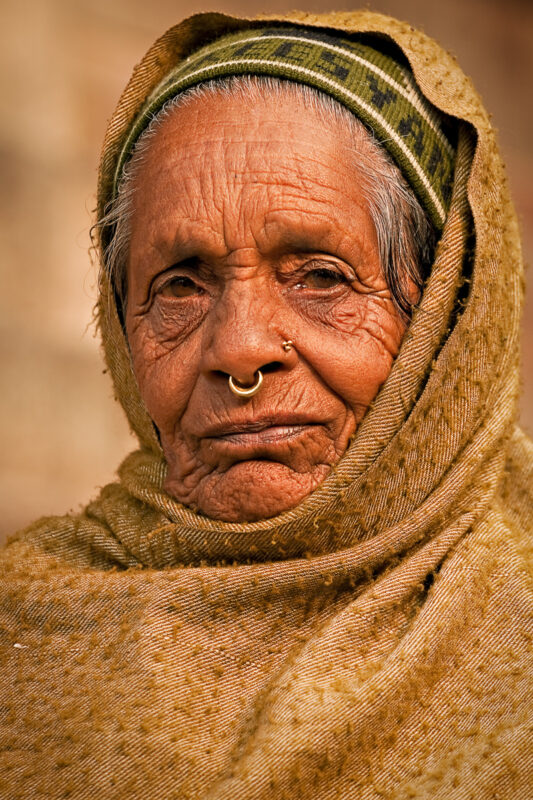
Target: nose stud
(246, 391)
(288, 345)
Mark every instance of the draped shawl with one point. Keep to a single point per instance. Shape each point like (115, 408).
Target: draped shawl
(374, 641)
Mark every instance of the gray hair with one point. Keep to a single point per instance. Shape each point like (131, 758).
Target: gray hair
(406, 238)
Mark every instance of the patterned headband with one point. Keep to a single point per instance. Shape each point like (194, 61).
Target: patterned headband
(373, 85)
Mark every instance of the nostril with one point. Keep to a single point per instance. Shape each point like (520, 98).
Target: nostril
(273, 366)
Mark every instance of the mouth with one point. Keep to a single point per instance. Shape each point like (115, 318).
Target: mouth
(269, 435)
(261, 432)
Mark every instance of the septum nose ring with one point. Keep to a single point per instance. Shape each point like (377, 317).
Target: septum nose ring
(249, 391)
(246, 391)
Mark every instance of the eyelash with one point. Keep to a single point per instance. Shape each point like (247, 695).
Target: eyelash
(326, 270)
(303, 273)
(159, 289)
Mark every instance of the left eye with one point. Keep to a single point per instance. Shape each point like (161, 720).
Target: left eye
(180, 286)
(321, 279)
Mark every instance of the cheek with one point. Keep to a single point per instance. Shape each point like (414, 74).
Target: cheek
(354, 348)
(165, 368)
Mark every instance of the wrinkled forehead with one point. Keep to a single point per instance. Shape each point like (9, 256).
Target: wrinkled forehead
(245, 125)
(376, 87)
(224, 174)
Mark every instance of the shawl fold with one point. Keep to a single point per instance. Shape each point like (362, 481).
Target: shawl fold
(374, 641)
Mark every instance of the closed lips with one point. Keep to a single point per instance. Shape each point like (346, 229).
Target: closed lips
(272, 433)
(282, 425)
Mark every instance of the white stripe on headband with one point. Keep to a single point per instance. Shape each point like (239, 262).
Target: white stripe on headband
(411, 94)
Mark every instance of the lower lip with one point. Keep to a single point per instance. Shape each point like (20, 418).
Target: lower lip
(272, 435)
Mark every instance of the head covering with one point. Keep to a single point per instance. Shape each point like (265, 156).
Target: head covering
(374, 641)
(378, 88)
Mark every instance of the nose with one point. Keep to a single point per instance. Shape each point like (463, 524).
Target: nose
(245, 335)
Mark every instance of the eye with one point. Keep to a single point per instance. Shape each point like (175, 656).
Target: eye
(180, 286)
(321, 278)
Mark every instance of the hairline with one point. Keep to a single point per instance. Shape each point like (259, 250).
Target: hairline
(404, 232)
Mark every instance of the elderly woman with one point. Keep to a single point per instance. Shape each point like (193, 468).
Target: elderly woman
(311, 579)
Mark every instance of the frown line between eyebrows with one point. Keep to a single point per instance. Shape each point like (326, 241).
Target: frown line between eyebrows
(283, 232)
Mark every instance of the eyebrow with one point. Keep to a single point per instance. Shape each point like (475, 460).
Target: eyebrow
(282, 231)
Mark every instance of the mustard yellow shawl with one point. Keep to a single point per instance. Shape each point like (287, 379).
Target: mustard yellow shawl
(375, 641)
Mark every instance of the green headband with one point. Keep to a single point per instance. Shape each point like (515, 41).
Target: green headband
(377, 89)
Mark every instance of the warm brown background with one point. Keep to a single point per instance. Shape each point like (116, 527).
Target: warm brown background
(63, 64)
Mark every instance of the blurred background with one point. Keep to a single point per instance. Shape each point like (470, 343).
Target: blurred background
(63, 64)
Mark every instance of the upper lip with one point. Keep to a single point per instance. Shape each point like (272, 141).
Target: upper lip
(258, 424)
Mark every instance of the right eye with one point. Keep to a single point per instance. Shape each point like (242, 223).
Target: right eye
(180, 286)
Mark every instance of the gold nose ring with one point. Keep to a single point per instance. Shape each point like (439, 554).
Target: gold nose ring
(287, 345)
(246, 391)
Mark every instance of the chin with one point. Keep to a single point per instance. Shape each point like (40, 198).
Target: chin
(252, 490)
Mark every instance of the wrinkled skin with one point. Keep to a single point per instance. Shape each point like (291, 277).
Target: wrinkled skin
(250, 227)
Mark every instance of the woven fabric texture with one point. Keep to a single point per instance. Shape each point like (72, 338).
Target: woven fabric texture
(373, 642)
(373, 85)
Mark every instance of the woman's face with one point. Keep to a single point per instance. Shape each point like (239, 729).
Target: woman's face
(250, 228)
